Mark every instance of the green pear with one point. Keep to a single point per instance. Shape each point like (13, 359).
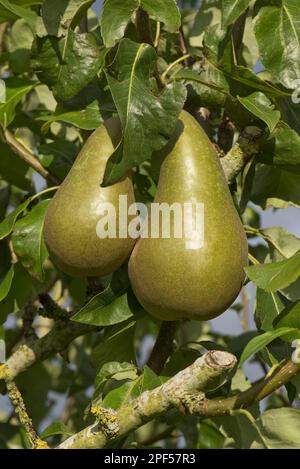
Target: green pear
(73, 213)
(198, 275)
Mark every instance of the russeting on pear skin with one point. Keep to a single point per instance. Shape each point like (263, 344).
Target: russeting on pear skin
(174, 278)
(73, 213)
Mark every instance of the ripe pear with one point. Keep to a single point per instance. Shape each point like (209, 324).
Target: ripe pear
(192, 277)
(73, 213)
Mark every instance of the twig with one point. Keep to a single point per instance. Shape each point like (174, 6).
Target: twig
(183, 46)
(182, 42)
(163, 346)
(51, 309)
(20, 409)
(209, 371)
(28, 316)
(19, 149)
(143, 26)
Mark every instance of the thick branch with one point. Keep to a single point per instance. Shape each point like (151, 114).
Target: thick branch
(19, 149)
(163, 346)
(245, 148)
(260, 390)
(209, 371)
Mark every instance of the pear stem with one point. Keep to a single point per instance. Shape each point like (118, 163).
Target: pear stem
(157, 35)
(163, 346)
(169, 68)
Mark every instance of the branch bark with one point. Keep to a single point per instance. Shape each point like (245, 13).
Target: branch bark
(245, 148)
(19, 149)
(185, 392)
(56, 341)
(20, 409)
(257, 392)
(209, 371)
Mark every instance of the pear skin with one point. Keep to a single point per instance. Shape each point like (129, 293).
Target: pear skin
(172, 277)
(73, 213)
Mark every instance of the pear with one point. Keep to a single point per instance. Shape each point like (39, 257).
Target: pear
(198, 275)
(73, 213)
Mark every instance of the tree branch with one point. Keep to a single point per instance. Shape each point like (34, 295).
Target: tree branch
(209, 371)
(245, 148)
(20, 409)
(56, 341)
(19, 149)
(258, 391)
(163, 346)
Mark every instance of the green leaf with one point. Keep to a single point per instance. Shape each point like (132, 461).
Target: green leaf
(209, 83)
(18, 44)
(209, 436)
(117, 371)
(89, 118)
(208, 15)
(121, 395)
(114, 19)
(275, 276)
(28, 240)
(19, 293)
(56, 428)
(12, 169)
(260, 106)
(282, 149)
(115, 304)
(7, 225)
(268, 307)
(10, 11)
(100, 313)
(280, 428)
(67, 64)
(16, 89)
(117, 345)
(60, 15)
(290, 317)
(232, 9)
(116, 15)
(58, 156)
(281, 242)
(239, 75)
(261, 341)
(275, 187)
(290, 112)
(128, 391)
(6, 283)
(149, 380)
(282, 56)
(132, 91)
(165, 11)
